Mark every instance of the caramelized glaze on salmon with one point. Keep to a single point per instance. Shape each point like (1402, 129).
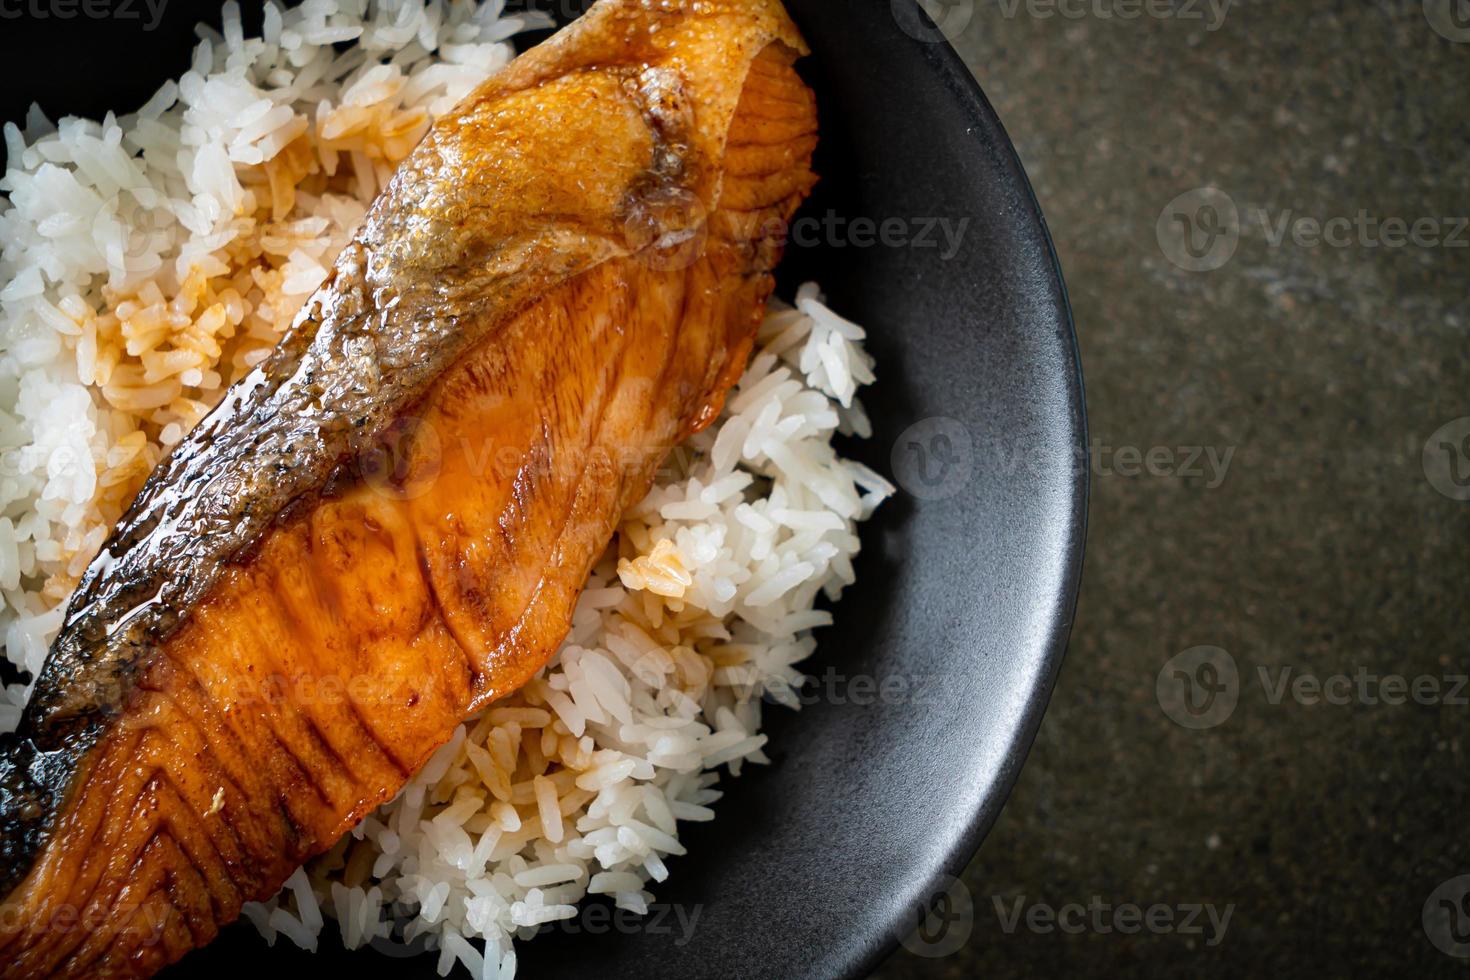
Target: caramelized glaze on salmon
(386, 526)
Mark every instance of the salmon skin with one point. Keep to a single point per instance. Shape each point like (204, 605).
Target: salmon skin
(386, 525)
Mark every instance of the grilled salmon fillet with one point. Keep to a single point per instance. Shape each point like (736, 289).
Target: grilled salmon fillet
(386, 526)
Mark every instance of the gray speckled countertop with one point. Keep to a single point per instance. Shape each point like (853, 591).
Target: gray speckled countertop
(1323, 541)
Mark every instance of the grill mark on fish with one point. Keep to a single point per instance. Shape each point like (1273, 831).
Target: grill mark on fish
(163, 840)
(401, 767)
(211, 758)
(97, 860)
(441, 611)
(593, 441)
(115, 930)
(147, 798)
(313, 731)
(283, 601)
(186, 839)
(138, 855)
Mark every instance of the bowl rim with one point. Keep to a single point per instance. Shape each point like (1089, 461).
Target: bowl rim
(986, 128)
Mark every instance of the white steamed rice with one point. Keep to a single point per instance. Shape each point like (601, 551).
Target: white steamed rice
(151, 259)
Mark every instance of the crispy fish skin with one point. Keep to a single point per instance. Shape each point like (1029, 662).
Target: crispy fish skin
(385, 526)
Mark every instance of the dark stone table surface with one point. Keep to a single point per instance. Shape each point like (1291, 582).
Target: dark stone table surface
(1280, 448)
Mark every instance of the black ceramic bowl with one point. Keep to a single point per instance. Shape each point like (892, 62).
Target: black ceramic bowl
(935, 676)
